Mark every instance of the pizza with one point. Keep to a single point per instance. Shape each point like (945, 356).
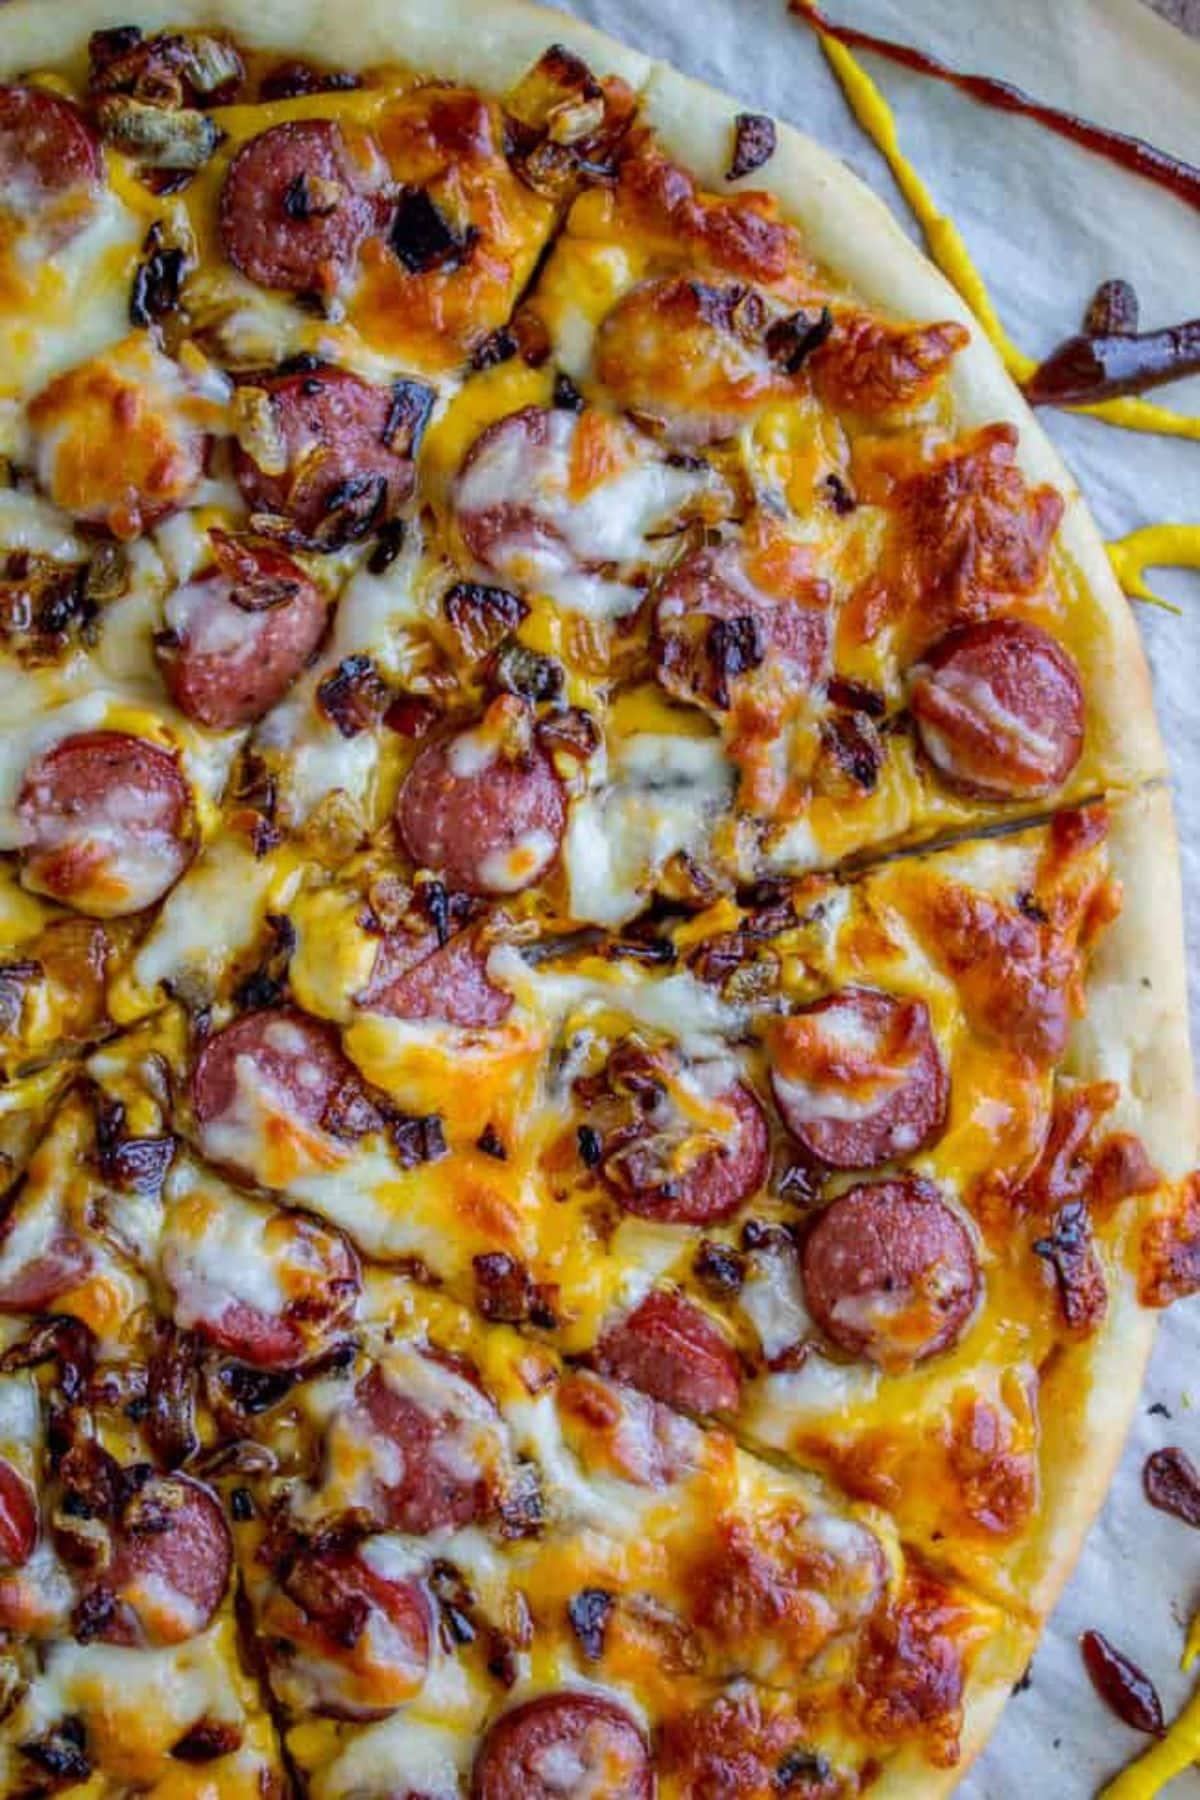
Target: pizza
(596, 1107)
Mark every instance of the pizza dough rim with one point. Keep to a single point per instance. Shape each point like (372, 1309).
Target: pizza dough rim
(852, 231)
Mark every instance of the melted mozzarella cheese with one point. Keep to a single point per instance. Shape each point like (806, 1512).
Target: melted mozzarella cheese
(609, 524)
(434, 1760)
(660, 795)
(71, 307)
(686, 1009)
(214, 914)
(213, 1250)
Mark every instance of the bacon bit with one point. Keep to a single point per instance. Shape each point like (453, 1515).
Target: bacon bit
(158, 281)
(515, 669)
(719, 1269)
(482, 616)
(389, 541)
(417, 1140)
(840, 497)
(1170, 1254)
(1172, 1484)
(171, 1395)
(355, 697)
(206, 1740)
(490, 1143)
(869, 366)
(753, 144)
(589, 1612)
(506, 1293)
(567, 397)
(1123, 1687)
(562, 127)
(253, 588)
(733, 647)
(1085, 369)
(135, 1165)
(408, 415)
(853, 744)
(1081, 1288)
(500, 346)
(60, 1753)
(572, 733)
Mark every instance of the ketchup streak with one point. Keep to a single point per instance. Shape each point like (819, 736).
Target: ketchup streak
(1132, 153)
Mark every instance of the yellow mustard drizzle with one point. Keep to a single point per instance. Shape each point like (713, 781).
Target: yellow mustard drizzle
(949, 251)
(1153, 547)
(1172, 1754)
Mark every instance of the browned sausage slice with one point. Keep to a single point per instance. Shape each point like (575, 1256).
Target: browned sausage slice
(169, 1570)
(416, 977)
(238, 637)
(661, 1169)
(671, 1351)
(484, 808)
(309, 1265)
(561, 1747)
(50, 163)
(858, 1078)
(429, 1481)
(107, 822)
(271, 1089)
(326, 451)
(890, 1273)
(348, 1636)
(999, 710)
(18, 1517)
(716, 624)
(295, 206)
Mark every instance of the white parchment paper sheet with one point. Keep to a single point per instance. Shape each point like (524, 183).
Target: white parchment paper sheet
(1045, 222)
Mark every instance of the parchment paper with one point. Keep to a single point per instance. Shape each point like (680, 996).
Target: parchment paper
(1045, 222)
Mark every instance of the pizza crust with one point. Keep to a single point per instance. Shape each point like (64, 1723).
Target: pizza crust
(1136, 1029)
(470, 40)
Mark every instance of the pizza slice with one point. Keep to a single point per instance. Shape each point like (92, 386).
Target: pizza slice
(887, 541)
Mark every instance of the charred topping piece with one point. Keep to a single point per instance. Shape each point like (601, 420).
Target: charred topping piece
(423, 238)
(791, 341)
(753, 144)
(158, 280)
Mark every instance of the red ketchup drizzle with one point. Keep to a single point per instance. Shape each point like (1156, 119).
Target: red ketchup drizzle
(1132, 153)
